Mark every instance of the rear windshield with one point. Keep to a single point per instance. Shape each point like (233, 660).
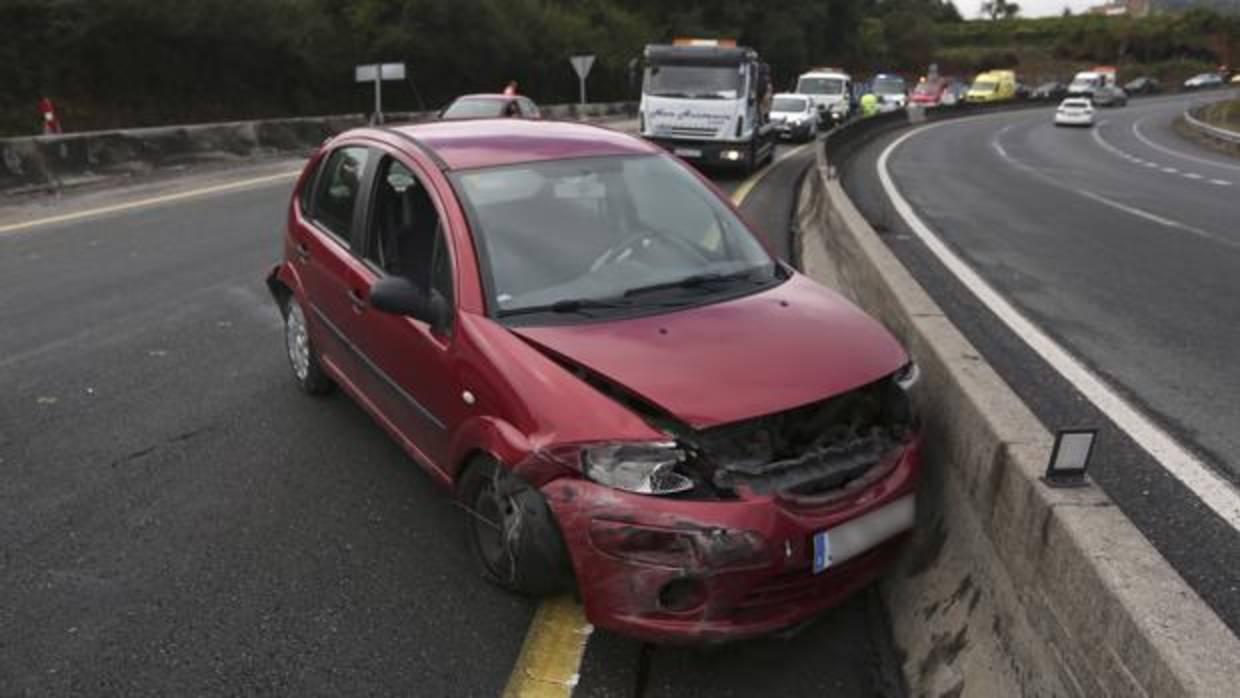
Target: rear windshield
(984, 85)
(1075, 103)
(820, 86)
(788, 104)
(889, 86)
(475, 109)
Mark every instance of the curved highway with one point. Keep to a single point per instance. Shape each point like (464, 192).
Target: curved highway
(1120, 243)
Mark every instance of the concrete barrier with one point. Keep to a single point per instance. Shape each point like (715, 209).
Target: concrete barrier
(54, 162)
(1008, 587)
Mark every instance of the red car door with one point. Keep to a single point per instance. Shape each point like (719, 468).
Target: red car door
(325, 238)
(421, 398)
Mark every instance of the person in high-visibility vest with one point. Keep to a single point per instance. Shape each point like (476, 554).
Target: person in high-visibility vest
(869, 105)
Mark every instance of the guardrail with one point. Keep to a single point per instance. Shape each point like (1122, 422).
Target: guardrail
(1209, 130)
(35, 163)
(1008, 587)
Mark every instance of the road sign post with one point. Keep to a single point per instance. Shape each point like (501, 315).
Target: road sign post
(582, 65)
(377, 73)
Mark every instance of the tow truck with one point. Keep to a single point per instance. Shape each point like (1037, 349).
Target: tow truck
(708, 101)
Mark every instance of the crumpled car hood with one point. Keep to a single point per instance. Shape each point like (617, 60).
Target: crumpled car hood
(788, 346)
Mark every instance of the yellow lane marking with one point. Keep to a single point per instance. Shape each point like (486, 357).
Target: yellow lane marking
(551, 656)
(143, 203)
(738, 196)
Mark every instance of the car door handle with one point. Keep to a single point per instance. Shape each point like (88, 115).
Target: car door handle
(303, 251)
(359, 303)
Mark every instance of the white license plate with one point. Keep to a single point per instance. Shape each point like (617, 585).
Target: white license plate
(688, 152)
(852, 538)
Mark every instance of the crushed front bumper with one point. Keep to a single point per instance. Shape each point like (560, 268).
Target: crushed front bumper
(678, 571)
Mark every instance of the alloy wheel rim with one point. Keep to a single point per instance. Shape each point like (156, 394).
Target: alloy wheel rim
(297, 341)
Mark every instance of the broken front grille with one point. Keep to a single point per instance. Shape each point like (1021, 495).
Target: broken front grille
(809, 454)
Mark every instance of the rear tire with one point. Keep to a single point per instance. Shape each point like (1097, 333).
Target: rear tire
(513, 535)
(302, 358)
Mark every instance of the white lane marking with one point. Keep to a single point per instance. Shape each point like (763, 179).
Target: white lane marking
(1214, 491)
(1170, 170)
(152, 201)
(1136, 131)
(1220, 182)
(1151, 164)
(1192, 175)
(1131, 210)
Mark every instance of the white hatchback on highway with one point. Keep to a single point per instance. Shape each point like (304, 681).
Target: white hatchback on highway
(1075, 111)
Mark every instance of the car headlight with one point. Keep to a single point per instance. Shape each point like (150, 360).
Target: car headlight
(794, 121)
(838, 107)
(644, 468)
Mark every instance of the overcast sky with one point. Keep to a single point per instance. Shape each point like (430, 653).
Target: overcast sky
(1030, 8)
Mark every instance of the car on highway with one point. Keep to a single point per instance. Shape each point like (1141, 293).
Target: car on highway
(490, 106)
(992, 86)
(1203, 80)
(795, 116)
(1049, 90)
(1109, 96)
(929, 91)
(1075, 111)
(1143, 85)
(891, 91)
(631, 398)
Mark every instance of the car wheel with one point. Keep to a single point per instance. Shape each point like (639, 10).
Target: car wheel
(512, 533)
(301, 355)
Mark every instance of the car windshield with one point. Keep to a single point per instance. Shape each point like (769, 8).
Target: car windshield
(1075, 103)
(606, 232)
(713, 81)
(820, 86)
(475, 109)
(928, 88)
(788, 104)
(984, 86)
(889, 86)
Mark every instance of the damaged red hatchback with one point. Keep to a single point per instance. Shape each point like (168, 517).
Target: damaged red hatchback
(579, 335)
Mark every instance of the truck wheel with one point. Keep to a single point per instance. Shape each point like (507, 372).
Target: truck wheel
(512, 533)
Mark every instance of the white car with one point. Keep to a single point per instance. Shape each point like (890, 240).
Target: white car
(1075, 111)
(1203, 80)
(794, 116)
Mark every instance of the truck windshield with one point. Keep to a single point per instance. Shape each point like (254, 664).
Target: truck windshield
(608, 233)
(889, 86)
(703, 82)
(820, 86)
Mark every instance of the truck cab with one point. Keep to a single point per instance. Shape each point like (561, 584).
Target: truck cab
(708, 101)
(831, 91)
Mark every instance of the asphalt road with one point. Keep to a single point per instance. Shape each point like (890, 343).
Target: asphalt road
(177, 518)
(1122, 243)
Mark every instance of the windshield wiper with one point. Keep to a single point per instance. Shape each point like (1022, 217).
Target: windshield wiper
(695, 281)
(565, 305)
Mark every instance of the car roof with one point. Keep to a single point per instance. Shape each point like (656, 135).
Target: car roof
(487, 95)
(795, 95)
(473, 143)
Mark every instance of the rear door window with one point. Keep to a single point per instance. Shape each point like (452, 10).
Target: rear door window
(338, 190)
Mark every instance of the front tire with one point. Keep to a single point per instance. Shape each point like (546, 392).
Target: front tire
(303, 360)
(512, 533)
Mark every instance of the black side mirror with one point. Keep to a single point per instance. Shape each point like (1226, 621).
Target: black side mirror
(399, 296)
